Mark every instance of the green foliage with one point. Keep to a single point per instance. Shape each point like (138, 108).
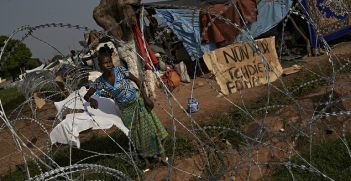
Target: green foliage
(20, 173)
(18, 58)
(37, 60)
(103, 144)
(222, 139)
(184, 145)
(10, 98)
(94, 143)
(220, 120)
(277, 98)
(329, 155)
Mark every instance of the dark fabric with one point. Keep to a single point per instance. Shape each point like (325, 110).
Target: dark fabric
(218, 32)
(153, 28)
(191, 68)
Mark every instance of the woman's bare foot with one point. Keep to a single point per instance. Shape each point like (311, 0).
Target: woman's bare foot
(162, 156)
(147, 165)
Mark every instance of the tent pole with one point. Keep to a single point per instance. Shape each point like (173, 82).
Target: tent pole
(303, 36)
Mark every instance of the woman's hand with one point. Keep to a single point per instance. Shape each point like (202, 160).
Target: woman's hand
(149, 103)
(94, 103)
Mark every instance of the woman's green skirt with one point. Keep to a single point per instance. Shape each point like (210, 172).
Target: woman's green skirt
(146, 129)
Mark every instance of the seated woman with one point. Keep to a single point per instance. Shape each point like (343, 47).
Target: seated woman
(147, 132)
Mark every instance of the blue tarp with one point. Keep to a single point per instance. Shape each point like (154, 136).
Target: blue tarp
(185, 30)
(327, 15)
(187, 24)
(270, 13)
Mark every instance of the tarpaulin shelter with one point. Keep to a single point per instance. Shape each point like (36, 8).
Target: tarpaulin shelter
(185, 23)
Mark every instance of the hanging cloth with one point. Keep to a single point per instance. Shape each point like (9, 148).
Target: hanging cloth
(141, 49)
(220, 32)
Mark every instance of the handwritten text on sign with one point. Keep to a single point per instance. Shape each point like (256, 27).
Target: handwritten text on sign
(238, 67)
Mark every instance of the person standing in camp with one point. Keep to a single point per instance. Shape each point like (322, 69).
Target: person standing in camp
(147, 132)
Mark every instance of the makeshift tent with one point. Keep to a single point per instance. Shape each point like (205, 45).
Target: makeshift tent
(187, 25)
(180, 21)
(331, 21)
(269, 15)
(220, 31)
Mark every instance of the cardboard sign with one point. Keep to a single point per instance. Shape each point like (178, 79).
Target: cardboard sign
(39, 99)
(238, 67)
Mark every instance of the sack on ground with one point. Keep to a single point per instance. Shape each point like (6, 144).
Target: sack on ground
(173, 79)
(184, 76)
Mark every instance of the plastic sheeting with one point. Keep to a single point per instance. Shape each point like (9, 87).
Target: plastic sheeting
(269, 15)
(187, 29)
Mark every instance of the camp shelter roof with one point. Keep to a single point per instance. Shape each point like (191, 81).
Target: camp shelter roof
(181, 4)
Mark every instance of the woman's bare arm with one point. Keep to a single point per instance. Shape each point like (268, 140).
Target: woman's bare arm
(93, 103)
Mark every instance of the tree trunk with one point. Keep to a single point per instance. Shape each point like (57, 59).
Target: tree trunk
(107, 14)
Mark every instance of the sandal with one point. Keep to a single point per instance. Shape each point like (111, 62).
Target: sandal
(146, 170)
(165, 162)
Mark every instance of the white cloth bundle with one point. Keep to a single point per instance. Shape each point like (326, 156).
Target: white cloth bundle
(104, 117)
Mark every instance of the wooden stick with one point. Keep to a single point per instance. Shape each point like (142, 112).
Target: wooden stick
(303, 36)
(69, 54)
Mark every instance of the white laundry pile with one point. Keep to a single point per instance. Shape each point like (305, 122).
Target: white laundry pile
(73, 101)
(104, 117)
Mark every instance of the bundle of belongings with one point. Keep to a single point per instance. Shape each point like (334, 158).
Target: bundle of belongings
(172, 73)
(171, 78)
(67, 131)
